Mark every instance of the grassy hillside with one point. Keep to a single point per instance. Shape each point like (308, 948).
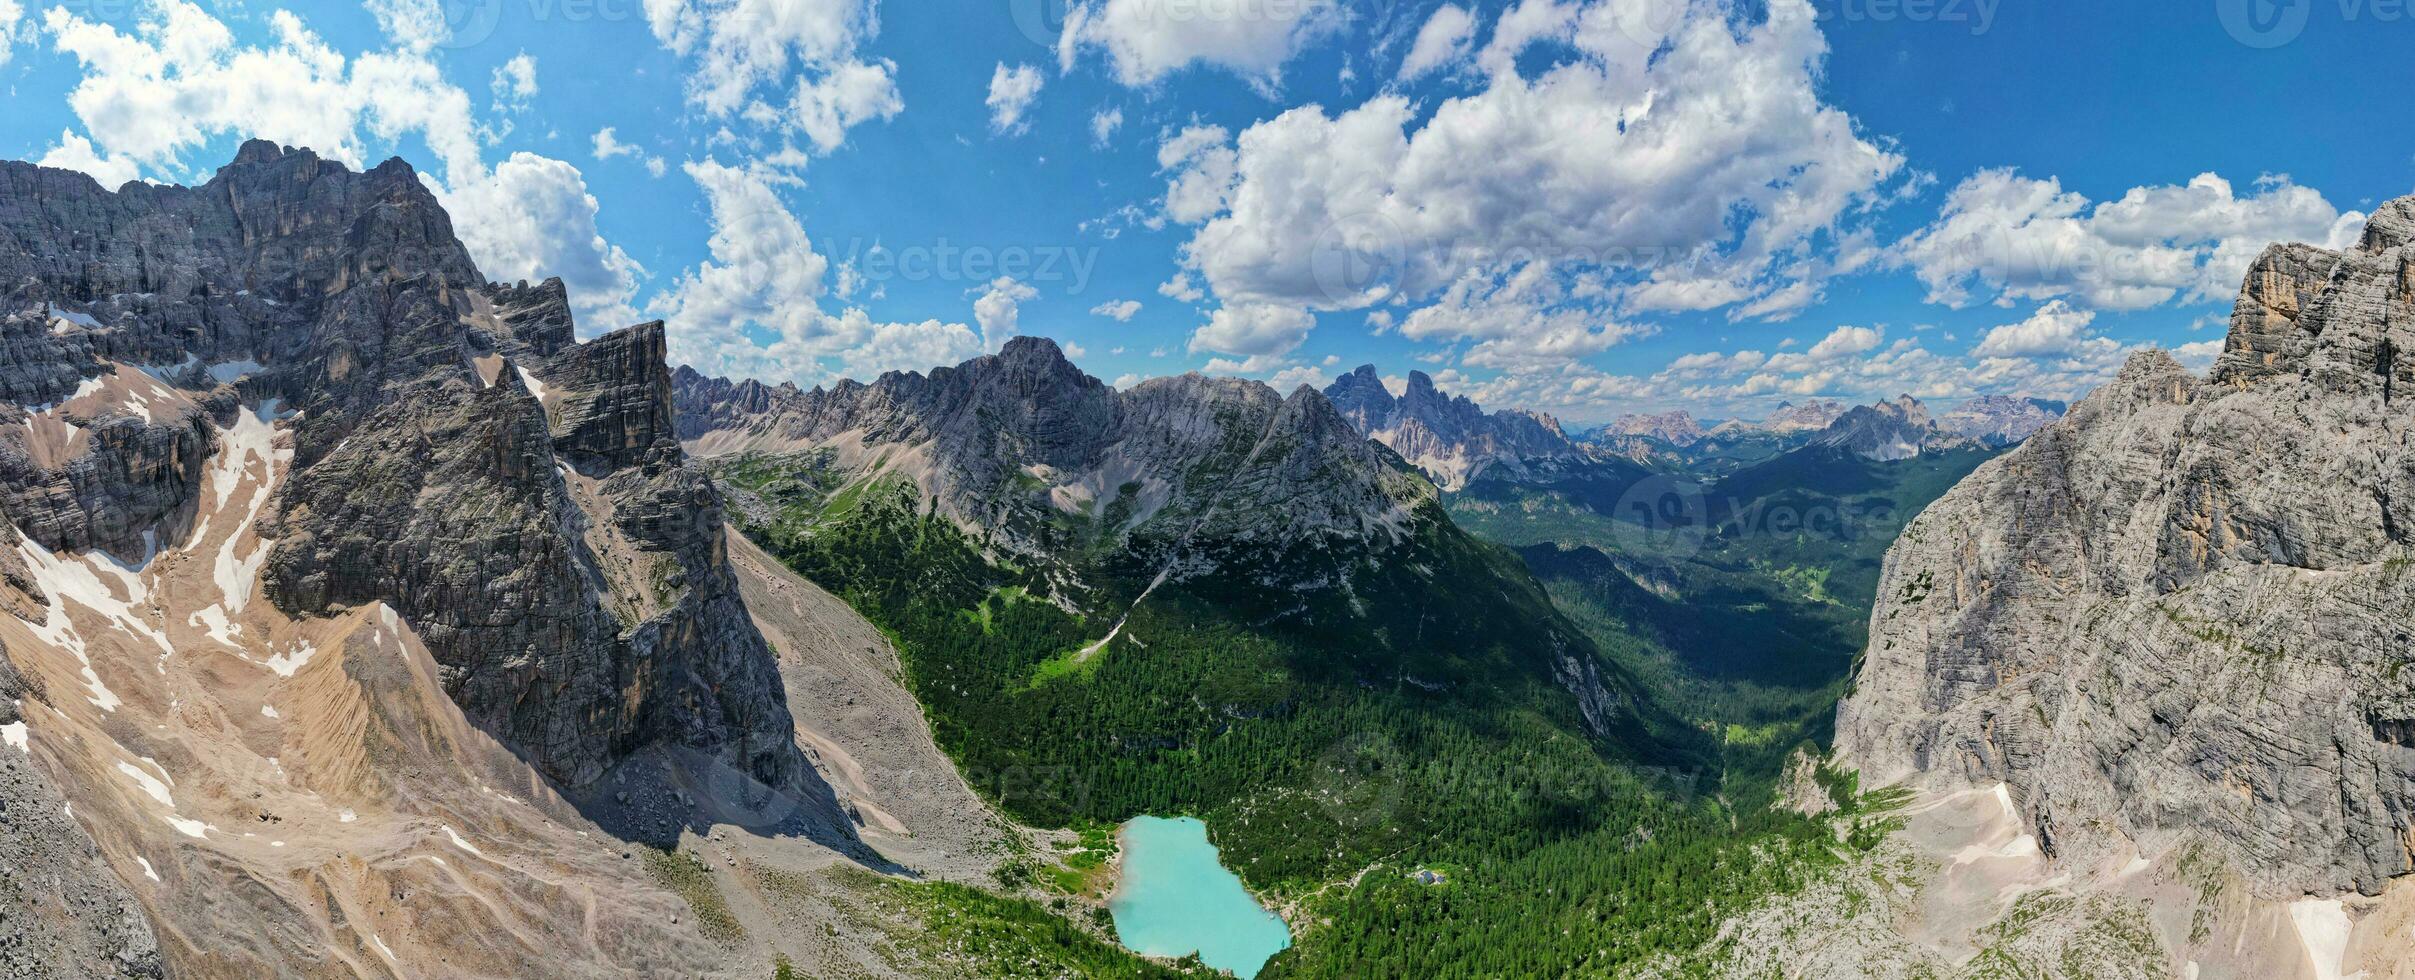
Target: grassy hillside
(1742, 602)
(1333, 745)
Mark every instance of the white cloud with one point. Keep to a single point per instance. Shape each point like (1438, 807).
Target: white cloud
(2001, 236)
(751, 54)
(1688, 159)
(2055, 330)
(535, 219)
(11, 14)
(1521, 319)
(1104, 123)
(764, 279)
(1254, 330)
(1291, 378)
(607, 145)
(1181, 288)
(999, 310)
(413, 25)
(1146, 40)
(2198, 357)
(515, 83)
(1121, 311)
(1443, 40)
(77, 153)
(1011, 93)
(177, 79)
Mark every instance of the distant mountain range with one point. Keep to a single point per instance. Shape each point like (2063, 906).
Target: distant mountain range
(1457, 442)
(1448, 437)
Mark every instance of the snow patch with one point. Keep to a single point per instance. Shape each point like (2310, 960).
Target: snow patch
(148, 783)
(267, 712)
(247, 454)
(292, 660)
(17, 736)
(83, 320)
(535, 387)
(462, 844)
(233, 371)
(147, 872)
(189, 828)
(2323, 929)
(78, 580)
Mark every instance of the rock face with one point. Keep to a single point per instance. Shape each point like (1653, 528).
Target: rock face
(2181, 612)
(1450, 438)
(1997, 421)
(1007, 443)
(459, 455)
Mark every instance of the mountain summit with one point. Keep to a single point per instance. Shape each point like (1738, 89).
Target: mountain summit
(1449, 437)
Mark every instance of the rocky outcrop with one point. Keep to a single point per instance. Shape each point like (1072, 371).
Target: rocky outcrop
(459, 454)
(1452, 439)
(2180, 613)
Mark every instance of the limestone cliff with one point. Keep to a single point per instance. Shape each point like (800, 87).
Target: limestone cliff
(2180, 614)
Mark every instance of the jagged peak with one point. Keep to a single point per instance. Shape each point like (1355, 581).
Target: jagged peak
(2391, 226)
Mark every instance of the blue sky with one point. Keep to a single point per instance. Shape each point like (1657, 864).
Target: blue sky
(1581, 207)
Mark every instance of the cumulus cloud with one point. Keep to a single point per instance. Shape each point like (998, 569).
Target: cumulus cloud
(515, 83)
(2004, 237)
(1443, 40)
(1011, 93)
(607, 145)
(1146, 40)
(2056, 329)
(1687, 164)
(1256, 330)
(536, 219)
(74, 152)
(150, 96)
(789, 64)
(753, 309)
(12, 14)
(1523, 318)
(1121, 311)
(999, 310)
(1104, 123)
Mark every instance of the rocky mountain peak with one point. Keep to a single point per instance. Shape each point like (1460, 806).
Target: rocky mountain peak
(1450, 438)
(2176, 616)
(2391, 226)
(516, 496)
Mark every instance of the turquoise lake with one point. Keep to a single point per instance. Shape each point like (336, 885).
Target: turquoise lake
(1175, 898)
